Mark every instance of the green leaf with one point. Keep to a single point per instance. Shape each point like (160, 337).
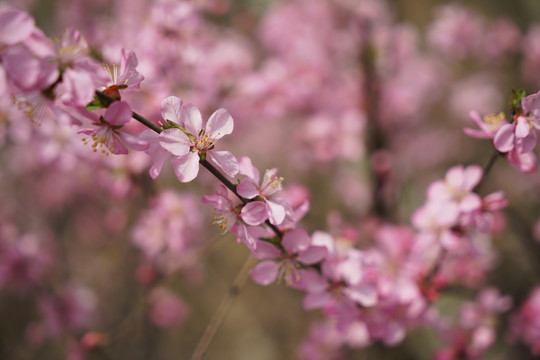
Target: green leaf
(95, 104)
(515, 101)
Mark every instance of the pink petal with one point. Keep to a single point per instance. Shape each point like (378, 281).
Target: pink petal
(314, 301)
(455, 176)
(320, 238)
(438, 190)
(504, 138)
(473, 175)
(21, 67)
(247, 189)
(527, 143)
(175, 142)
(312, 255)
(247, 169)
(358, 334)
(471, 202)
(266, 251)
(363, 294)
(190, 119)
(3, 82)
(118, 113)
(310, 280)
(265, 272)
(522, 127)
(77, 87)
(15, 26)
(476, 133)
(525, 162)
(276, 212)
(186, 167)
(254, 213)
(220, 124)
(225, 160)
(296, 240)
(117, 146)
(128, 74)
(134, 142)
(171, 108)
(159, 157)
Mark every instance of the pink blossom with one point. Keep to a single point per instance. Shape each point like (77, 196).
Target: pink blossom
(106, 132)
(483, 218)
(488, 125)
(323, 342)
(166, 308)
(15, 26)
(284, 264)
(125, 78)
(346, 276)
(525, 323)
(82, 75)
(518, 142)
(475, 330)
(457, 187)
(166, 232)
(71, 308)
(455, 31)
(232, 215)
(191, 142)
(249, 188)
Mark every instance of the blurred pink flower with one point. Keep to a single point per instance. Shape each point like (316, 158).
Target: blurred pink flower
(518, 142)
(488, 125)
(166, 308)
(284, 264)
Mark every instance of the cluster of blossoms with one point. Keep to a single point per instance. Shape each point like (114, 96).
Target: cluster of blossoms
(517, 138)
(368, 292)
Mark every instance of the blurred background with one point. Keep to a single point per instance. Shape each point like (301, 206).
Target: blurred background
(334, 94)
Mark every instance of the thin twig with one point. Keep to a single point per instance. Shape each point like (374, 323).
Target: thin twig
(487, 170)
(223, 310)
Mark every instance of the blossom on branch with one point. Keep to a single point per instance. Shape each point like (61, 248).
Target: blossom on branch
(189, 142)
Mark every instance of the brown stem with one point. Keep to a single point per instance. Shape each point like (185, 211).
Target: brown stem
(223, 310)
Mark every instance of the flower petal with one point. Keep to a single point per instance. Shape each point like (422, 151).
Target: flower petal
(522, 127)
(265, 272)
(276, 212)
(160, 157)
(254, 213)
(312, 255)
(190, 119)
(247, 169)
(171, 108)
(175, 142)
(118, 113)
(504, 138)
(225, 160)
(265, 251)
(296, 240)
(186, 167)
(220, 124)
(15, 26)
(247, 189)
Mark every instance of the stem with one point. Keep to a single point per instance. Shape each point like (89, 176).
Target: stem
(487, 170)
(376, 138)
(107, 100)
(221, 178)
(436, 266)
(223, 310)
